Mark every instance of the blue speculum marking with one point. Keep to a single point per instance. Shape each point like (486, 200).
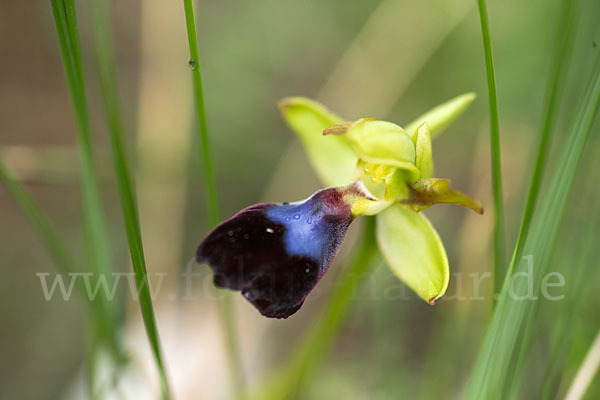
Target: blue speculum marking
(306, 231)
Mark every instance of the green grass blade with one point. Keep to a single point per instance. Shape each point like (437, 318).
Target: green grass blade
(557, 77)
(586, 372)
(96, 237)
(556, 82)
(104, 55)
(62, 257)
(194, 63)
(507, 326)
(225, 305)
(499, 239)
(306, 357)
(66, 25)
(566, 318)
(38, 219)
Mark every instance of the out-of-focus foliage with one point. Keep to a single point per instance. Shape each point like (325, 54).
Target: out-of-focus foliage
(252, 54)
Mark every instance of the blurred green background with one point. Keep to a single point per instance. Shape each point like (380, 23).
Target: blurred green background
(388, 59)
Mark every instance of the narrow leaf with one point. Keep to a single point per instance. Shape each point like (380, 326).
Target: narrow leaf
(495, 151)
(508, 324)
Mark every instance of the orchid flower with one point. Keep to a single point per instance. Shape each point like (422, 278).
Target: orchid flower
(275, 253)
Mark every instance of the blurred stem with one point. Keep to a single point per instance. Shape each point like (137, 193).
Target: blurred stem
(96, 237)
(556, 80)
(587, 371)
(499, 240)
(314, 345)
(225, 305)
(506, 328)
(38, 219)
(60, 254)
(578, 294)
(108, 86)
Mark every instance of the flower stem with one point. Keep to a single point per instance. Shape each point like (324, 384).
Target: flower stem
(225, 306)
(315, 343)
(499, 240)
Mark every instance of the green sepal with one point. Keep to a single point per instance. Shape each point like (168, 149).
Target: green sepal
(414, 251)
(330, 156)
(440, 117)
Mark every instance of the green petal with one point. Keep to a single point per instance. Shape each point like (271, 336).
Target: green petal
(423, 155)
(414, 252)
(427, 192)
(441, 116)
(384, 143)
(330, 156)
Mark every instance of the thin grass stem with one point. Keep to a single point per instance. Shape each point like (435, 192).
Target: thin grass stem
(58, 250)
(499, 239)
(507, 327)
(586, 372)
(210, 186)
(555, 84)
(108, 85)
(225, 305)
(96, 237)
(556, 80)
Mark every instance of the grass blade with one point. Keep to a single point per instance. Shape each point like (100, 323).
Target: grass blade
(210, 187)
(104, 55)
(224, 303)
(95, 231)
(587, 371)
(508, 324)
(556, 81)
(66, 25)
(499, 240)
(62, 257)
(557, 77)
(566, 319)
(38, 219)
